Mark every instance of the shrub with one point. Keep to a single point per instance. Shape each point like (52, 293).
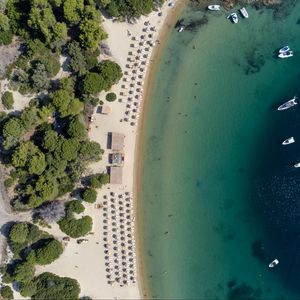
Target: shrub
(89, 195)
(75, 206)
(111, 97)
(7, 100)
(8, 182)
(49, 252)
(76, 228)
(7, 293)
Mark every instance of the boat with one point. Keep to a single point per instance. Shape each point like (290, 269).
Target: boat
(297, 165)
(214, 7)
(284, 49)
(233, 17)
(288, 141)
(286, 54)
(274, 263)
(288, 104)
(180, 28)
(244, 12)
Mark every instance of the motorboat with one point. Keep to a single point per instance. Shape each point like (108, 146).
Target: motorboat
(244, 12)
(297, 165)
(284, 49)
(286, 54)
(180, 28)
(214, 7)
(288, 104)
(274, 263)
(288, 141)
(233, 17)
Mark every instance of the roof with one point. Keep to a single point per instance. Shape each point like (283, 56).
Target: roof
(117, 141)
(116, 158)
(105, 110)
(116, 174)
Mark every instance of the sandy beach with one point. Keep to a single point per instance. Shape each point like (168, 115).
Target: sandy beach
(91, 263)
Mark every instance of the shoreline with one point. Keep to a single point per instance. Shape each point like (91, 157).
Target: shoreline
(167, 26)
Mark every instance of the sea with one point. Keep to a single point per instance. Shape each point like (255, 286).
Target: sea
(220, 198)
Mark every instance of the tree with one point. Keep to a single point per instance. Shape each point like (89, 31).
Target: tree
(75, 206)
(18, 232)
(24, 272)
(111, 97)
(51, 286)
(39, 78)
(8, 100)
(78, 61)
(73, 10)
(51, 64)
(47, 189)
(12, 132)
(76, 228)
(89, 195)
(98, 180)
(69, 149)
(50, 140)
(60, 35)
(49, 252)
(7, 293)
(77, 129)
(52, 212)
(90, 151)
(6, 34)
(93, 83)
(91, 33)
(110, 71)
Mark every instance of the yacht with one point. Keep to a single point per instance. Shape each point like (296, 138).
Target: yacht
(288, 141)
(233, 17)
(214, 7)
(286, 54)
(244, 12)
(284, 49)
(297, 165)
(288, 104)
(274, 263)
(179, 29)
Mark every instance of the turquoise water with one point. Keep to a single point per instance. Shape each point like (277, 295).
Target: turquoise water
(219, 196)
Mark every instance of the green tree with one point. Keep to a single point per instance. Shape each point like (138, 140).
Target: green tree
(73, 10)
(51, 63)
(69, 149)
(93, 83)
(60, 35)
(39, 78)
(89, 195)
(8, 100)
(49, 252)
(18, 232)
(75, 206)
(47, 189)
(78, 61)
(6, 34)
(76, 228)
(24, 272)
(77, 129)
(98, 180)
(7, 293)
(50, 140)
(110, 71)
(12, 132)
(90, 151)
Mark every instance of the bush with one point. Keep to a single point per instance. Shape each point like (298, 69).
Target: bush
(49, 252)
(8, 182)
(75, 206)
(98, 180)
(89, 195)
(76, 228)
(7, 100)
(7, 293)
(51, 286)
(111, 97)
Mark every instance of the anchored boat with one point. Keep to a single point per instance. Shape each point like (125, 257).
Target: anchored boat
(297, 165)
(244, 12)
(233, 17)
(288, 141)
(288, 104)
(214, 7)
(274, 263)
(284, 49)
(286, 54)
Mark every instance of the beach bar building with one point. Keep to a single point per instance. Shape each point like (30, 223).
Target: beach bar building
(116, 175)
(116, 141)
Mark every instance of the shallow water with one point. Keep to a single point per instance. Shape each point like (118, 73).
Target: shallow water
(219, 194)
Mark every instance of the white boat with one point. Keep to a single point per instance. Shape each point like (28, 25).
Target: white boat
(274, 263)
(288, 104)
(286, 54)
(180, 28)
(284, 49)
(297, 165)
(288, 141)
(244, 12)
(233, 17)
(214, 7)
